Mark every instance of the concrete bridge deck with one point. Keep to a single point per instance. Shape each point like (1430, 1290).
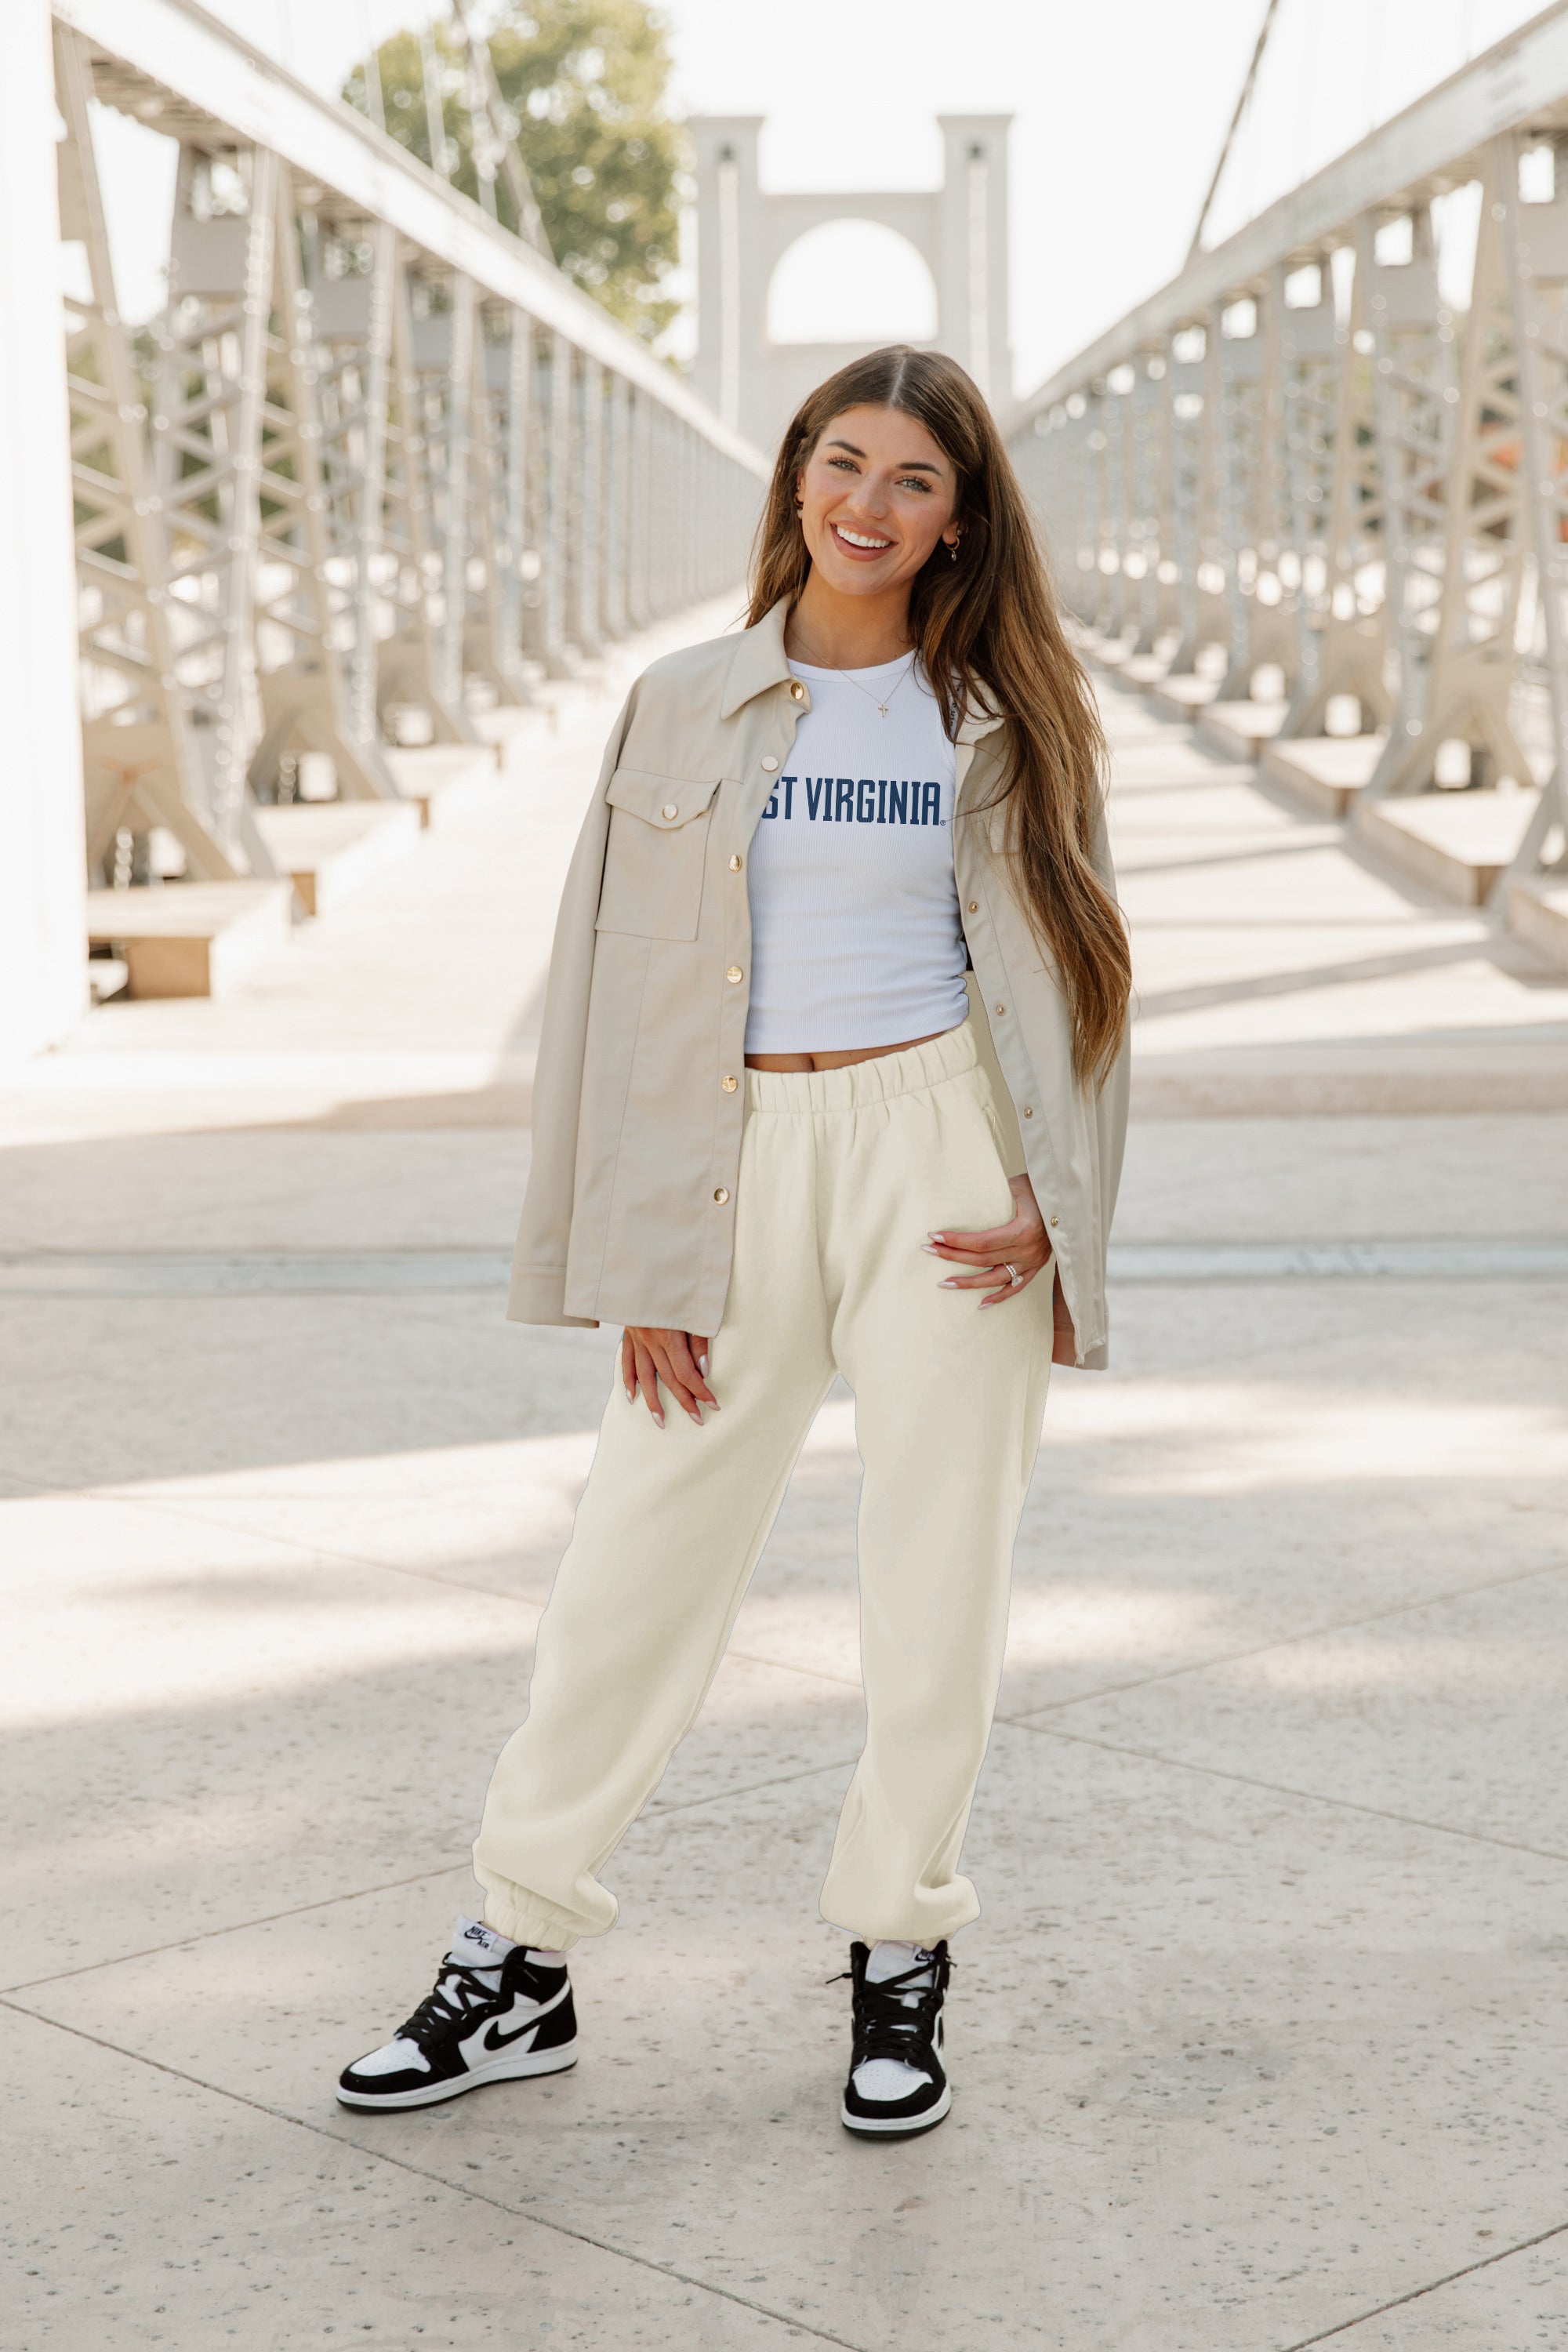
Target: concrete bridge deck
(1261, 2040)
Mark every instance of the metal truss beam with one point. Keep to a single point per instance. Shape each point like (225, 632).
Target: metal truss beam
(1359, 492)
(1435, 144)
(392, 454)
(219, 86)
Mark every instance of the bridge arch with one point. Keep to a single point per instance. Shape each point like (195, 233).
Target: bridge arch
(853, 276)
(754, 363)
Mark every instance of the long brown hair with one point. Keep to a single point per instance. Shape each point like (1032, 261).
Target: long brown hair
(986, 628)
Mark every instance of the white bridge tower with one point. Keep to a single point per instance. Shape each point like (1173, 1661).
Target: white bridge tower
(959, 229)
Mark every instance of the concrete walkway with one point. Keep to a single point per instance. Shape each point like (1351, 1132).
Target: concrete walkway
(1263, 2039)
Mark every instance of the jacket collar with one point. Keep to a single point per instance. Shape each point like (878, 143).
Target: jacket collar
(759, 661)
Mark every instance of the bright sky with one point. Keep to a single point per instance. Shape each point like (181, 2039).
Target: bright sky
(1119, 107)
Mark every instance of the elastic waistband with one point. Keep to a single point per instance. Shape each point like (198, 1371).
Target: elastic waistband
(878, 1080)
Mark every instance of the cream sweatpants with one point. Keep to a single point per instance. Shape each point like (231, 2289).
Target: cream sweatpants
(844, 1174)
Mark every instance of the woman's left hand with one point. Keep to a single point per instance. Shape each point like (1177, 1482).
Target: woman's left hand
(1023, 1243)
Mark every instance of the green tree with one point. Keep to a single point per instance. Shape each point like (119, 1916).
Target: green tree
(585, 82)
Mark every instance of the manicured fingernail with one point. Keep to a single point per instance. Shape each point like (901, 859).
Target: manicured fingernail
(936, 1237)
(631, 1393)
(702, 1366)
(930, 1249)
(659, 1419)
(949, 1285)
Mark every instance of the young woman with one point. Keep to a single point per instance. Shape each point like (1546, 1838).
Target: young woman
(832, 1078)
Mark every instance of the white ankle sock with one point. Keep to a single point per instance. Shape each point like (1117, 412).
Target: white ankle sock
(890, 1959)
(479, 1946)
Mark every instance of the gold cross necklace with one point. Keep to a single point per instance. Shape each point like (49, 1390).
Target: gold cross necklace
(907, 659)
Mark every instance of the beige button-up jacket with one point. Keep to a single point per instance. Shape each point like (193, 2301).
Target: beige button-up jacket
(639, 1094)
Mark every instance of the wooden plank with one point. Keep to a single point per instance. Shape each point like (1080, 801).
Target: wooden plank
(1182, 697)
(1537, 912)
(190, 939)
(1239, 729)
(329, 847)
(1458, 844)
(1326, 772)
(440, 778)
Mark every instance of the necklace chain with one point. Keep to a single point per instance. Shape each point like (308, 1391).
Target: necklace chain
(865, 690)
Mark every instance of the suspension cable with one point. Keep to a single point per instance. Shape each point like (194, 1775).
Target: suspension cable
(1242, 104)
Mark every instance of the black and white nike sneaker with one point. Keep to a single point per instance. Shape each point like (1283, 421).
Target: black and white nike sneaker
(497, 2011)
(896, 2084)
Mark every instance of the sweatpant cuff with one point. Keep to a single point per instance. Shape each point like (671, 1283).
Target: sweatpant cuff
(527, 1918)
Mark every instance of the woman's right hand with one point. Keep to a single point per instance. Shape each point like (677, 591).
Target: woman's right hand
(679, 1359)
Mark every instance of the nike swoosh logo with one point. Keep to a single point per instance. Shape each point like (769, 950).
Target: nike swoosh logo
(495, 2039)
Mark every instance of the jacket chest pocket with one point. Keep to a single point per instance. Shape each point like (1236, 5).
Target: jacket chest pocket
(656, 854)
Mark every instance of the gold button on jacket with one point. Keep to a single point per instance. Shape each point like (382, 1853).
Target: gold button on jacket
(645, 1015)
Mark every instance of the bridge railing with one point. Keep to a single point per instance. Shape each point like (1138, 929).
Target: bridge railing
(377, 450)
(1305, 473)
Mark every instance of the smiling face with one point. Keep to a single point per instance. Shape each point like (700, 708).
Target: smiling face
(877, 493)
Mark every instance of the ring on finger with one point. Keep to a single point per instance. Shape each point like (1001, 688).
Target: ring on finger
(1015, 1280)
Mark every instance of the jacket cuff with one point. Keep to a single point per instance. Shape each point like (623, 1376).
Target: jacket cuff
(1096, 1360)
(538, 1295)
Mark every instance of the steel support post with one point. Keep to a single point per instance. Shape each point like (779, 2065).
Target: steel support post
(691, 517)
(1050, 486)
(1118, 535)
(536, 362)
(206, 438)
(350, 309)
(631, 512)
(1536, 245)
(1192, 381)
(588, 528)
(1149, 502)
(1471, 667)
(305, 619)
(1168, 595)
(140, 766)
(1079, 526)
(672, 568)
(1252, 465)
(644, 476)
(517, 553)
(493, 645)
(680, 484)
(558, 478)
(1415, 396)
(43, 942)
(1336, 508)
(652, 505)
(414, 660)
(1089, 600)
(617, 489)
(1036, 463)
(660, 516)
(452, 400)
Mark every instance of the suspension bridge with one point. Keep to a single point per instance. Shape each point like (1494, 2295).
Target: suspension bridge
(383, 466)
(331, 581)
